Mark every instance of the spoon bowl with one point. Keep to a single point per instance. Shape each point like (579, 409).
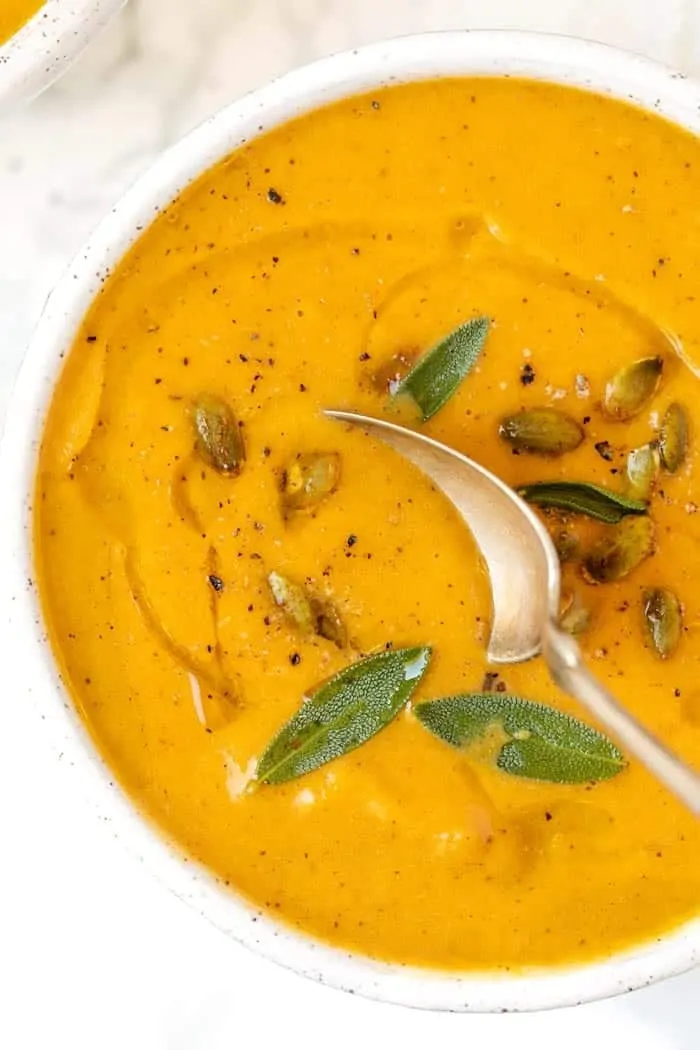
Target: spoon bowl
(522, 563)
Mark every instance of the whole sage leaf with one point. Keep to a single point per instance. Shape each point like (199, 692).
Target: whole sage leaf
(582, 497)
(529, 739)
(434, 378)
(343, 713)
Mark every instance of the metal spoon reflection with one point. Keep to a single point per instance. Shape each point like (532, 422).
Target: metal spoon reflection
(525, 580)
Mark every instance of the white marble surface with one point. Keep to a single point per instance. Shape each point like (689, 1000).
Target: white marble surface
(93, 955)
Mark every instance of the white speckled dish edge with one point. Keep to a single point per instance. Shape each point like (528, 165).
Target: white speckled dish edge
(47, 44)
(561, 59)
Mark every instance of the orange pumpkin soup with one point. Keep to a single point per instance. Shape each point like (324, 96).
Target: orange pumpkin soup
(14, 14)
(210, 548)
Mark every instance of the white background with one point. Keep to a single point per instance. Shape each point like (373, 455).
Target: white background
(93, 954)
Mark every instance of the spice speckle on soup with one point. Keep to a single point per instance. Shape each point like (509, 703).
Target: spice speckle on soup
(275, 628)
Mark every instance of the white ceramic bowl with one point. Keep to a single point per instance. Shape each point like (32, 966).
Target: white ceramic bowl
(24, 645)
(47, 45)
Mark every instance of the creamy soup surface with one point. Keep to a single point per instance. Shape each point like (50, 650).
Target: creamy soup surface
(14, 14)
(292, 277)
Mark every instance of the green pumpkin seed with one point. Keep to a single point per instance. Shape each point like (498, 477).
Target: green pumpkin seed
(313, 616)
(632, 388)
(642, 471)
(663, 619)
(673, 438)
(621, 550)
(218, 437)
(294, 601)
(434, 378)
(543, 431)
(309, 479)
(329, 624)
(582, 497)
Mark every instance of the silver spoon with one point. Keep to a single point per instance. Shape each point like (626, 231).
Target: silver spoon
(525, 586)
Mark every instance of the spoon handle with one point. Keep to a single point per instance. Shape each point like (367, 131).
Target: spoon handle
(566, 665)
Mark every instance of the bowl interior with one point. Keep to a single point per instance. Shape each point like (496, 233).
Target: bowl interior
(557, 59)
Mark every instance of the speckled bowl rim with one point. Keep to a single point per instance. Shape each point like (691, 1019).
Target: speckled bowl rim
(47, 44)
(561, 59)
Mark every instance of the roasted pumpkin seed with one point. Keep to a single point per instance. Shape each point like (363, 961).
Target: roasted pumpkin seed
(642, 471)
(663, 620)
(632, 388)
(329, 625)
(293, 601)
(673, 438)
(309, 614)
(543, 431)
(621, 550)
(218, 437)
(309, 479)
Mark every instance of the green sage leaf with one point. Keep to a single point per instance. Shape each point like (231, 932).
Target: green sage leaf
(582, 497)
(434, 378)
(343, 713)
(523, 738)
